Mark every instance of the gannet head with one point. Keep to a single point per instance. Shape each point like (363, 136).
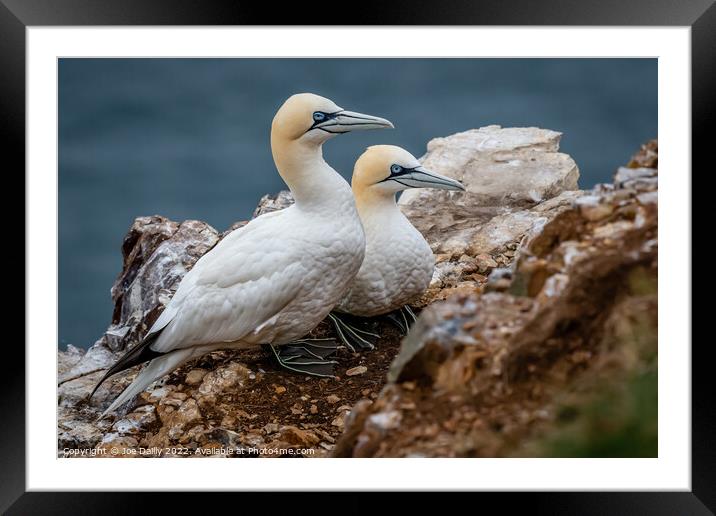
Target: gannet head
(314, 119)
(390, 169)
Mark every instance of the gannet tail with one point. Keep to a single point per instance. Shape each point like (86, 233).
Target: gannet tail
(139, 354)
(152, 372)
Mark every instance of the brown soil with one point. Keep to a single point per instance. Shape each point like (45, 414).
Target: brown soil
(308, 402)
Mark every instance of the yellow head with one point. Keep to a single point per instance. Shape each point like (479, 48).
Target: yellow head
(387, 169)
(310, 118)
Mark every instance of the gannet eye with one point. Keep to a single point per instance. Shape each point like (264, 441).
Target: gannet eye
(395, 169)
(318, 116)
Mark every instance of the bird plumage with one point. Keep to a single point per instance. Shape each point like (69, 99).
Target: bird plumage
(399, 263)
(274, 279)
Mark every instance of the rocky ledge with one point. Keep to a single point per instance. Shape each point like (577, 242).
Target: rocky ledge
(541, 313)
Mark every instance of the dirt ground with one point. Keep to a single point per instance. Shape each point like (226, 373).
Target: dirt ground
(274, 399)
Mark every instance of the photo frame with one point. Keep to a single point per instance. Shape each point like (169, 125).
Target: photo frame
(17, 16)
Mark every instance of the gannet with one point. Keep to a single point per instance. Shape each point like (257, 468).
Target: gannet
(274, 279)
(398, 263)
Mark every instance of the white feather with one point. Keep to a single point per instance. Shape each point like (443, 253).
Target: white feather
(273, 280)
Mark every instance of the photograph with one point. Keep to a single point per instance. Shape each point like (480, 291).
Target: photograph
(281, 257)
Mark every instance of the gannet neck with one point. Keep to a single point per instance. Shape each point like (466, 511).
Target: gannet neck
(374, 203)
(398, 263)
(301, 165)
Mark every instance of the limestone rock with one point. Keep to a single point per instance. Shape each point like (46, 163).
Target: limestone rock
(218, 381)
(269, 203)
(574, 328)
(537, 285)
(157, 253)
(77, 427)
(516, 180)
(647, 157)
(502, 170)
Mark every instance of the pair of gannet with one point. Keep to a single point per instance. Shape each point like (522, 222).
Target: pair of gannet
(274, 279)
(398, 263)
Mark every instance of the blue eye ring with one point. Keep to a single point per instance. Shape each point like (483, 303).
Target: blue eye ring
(395, 169)
(319, 116)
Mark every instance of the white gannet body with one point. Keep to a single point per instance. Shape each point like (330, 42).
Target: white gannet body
(398, 262)
(274, 279)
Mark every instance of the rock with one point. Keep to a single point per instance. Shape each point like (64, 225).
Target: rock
(354, 371)
(269, 203)
(507, 325)
(503, 171)
(499, 280)
(490, 374)
(592, 208)
(270, 428)
(74, 364)
(485, 262)
(76, 420)
(647, 157)
(136, 421)
(117, 446)
(157, 253)
(222, 379)
(174, 422)
(295, 436)
(195, 376)
(636, 177)
(68, 358)
(516, 181)
(502, 166)
(226, 438)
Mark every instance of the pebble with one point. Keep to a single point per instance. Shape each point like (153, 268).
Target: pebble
(195, 376)
(271, 428)
(484, 262)
(356, 371)
(332, 399)
(293, 435)
(313, 409)
(280, 389)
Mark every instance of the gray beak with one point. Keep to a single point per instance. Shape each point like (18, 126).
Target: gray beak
(421, 178)
(346, 121)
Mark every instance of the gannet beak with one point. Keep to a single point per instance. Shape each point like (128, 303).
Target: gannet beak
(420, 178)
(345, 121)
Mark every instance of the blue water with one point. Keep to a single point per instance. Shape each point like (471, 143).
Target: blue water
(189, 138)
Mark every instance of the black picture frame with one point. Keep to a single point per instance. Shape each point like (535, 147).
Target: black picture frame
(17, 15)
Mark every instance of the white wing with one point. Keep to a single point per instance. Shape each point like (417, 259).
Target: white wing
(240, 285)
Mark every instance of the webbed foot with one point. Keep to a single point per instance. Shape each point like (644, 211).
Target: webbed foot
(403, 318)
(309, 356)
(353, 331)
